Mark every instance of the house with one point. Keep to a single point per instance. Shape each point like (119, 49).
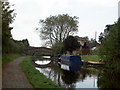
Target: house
(87, 47)
(84, 49)
(93, 47)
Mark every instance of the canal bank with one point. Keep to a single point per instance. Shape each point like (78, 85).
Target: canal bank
(37, 79)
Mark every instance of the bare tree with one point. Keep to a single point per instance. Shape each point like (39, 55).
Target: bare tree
(55, 29)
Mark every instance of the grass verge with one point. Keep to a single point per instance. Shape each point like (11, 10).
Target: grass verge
(6, 58)
(90, 57)
(92, 69)
(37, 79)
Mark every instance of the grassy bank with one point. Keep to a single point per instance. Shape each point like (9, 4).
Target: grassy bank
(6, 58)
(90, 57)
(37, 79)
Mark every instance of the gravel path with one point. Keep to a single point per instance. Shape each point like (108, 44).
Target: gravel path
(13, 77)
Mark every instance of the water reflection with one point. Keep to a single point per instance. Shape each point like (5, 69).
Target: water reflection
(70, 68)
(43, 62)
(109, 80)
(46, 57)
(80, 78)
(70, 77)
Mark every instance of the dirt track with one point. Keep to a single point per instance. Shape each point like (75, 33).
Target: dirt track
(13, 77)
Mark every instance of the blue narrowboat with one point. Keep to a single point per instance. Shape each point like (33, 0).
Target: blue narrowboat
(72, 62)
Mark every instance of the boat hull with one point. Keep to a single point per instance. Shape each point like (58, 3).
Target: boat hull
(70, 62)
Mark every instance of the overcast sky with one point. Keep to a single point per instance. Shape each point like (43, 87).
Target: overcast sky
(93, 16)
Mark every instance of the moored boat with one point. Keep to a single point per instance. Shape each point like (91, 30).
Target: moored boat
(73, 62)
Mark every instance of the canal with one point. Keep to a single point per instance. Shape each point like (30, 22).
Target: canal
(84, 77)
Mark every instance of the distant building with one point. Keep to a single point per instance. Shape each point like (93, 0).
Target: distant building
(119, 9)
(87, 47)
(84, 49)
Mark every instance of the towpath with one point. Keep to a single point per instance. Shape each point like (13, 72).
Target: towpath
(13, 77)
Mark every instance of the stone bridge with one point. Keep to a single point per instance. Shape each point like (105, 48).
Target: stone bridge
(39, 51)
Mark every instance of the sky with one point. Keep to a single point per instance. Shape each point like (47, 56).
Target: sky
(93, 15)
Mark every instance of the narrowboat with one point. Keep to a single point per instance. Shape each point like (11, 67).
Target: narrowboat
(70, 62)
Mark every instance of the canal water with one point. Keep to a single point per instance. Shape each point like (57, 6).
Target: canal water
(83, 78)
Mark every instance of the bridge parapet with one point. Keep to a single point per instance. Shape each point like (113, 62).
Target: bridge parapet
(40, 51)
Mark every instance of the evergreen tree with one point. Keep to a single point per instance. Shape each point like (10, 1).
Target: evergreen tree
(7, 19)
(110, 47)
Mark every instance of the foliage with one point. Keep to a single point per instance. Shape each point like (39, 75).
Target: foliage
(57, 48)
(14, 46)
(7, 19)
(103, 35)
(21, 46)
(37, 79)
(10, 45)
(6, 58)
(56, 28)
(70, 44)
(110, 48)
